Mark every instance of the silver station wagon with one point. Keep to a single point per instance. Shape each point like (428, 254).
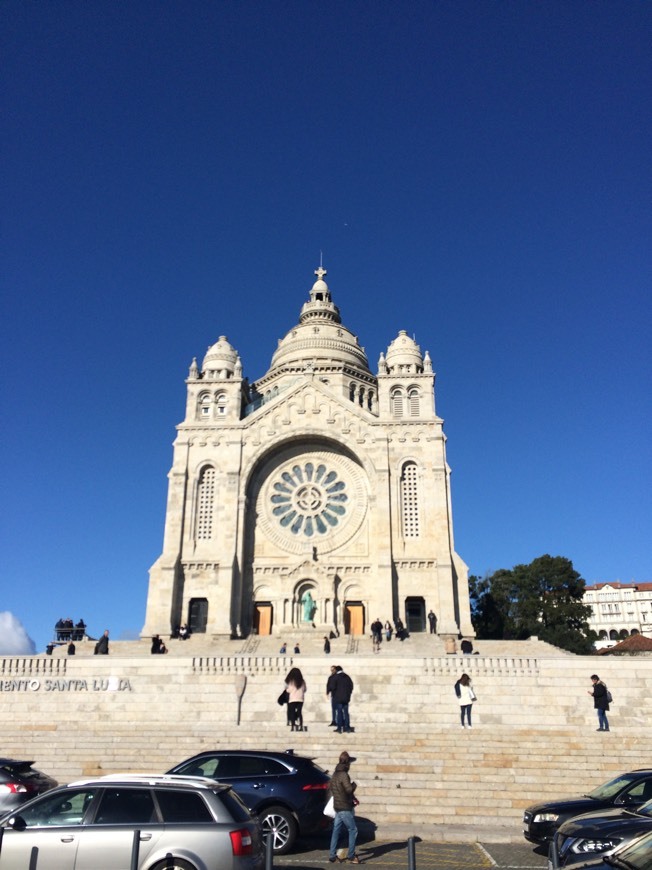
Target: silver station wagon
(124, 822)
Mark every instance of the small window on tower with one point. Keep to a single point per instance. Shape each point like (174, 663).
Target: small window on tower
(205, 406)
(221, 405)
(413, 402)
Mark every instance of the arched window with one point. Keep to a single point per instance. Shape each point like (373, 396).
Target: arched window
(413, 402)
(396, 403)
(352, 392)
(205, 504)
(410, 500)
(221, 405)
(205, 405)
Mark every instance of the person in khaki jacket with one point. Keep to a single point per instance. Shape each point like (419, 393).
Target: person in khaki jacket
(344, 802)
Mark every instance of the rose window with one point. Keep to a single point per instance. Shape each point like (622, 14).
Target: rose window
(309, 499)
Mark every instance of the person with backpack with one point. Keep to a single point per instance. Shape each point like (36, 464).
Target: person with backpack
(601, 697)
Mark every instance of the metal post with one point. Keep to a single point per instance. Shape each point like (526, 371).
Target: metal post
(269, 851)
(135, 847)
(412, 855)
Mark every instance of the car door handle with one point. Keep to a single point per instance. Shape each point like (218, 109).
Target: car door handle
(69, 839)
(145, 837)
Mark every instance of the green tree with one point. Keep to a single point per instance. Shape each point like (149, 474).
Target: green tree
(543, 598)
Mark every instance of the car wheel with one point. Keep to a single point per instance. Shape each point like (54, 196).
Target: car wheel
(174, 864)
(279, 824)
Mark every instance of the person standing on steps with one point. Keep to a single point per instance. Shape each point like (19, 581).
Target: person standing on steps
(600, 701)
(432, 622)
(330, 689)
(344, 802)
(342, 691)
(327, 645)
(296, 689)
(466, 697)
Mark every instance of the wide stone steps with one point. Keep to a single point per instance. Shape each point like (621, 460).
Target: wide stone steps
(475, 778)
(533, 737)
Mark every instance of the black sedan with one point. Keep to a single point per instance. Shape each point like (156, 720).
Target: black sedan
(541, 821)
(20, 782)
(602, 832)
(286, 791)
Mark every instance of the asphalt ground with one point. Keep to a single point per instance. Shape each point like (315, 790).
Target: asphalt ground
(312, 854)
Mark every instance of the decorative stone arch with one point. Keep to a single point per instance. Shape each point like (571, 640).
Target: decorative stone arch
(308, 578)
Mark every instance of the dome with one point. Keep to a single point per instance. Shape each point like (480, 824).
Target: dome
(221, 357)
(320, 339)
(404, 354)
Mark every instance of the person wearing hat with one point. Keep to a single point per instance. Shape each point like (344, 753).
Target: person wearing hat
(344, 801)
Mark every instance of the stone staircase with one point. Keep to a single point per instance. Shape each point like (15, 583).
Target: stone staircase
(311, 644)
(418, 770)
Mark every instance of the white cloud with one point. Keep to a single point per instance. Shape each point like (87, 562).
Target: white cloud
(14, 640)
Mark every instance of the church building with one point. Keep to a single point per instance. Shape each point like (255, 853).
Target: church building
(316, 498)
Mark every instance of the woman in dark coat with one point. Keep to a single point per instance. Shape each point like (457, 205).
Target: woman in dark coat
(600, 701)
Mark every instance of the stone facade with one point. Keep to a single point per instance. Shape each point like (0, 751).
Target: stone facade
(315, 499)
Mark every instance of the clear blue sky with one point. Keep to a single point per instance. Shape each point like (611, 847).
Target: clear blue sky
(477, 173)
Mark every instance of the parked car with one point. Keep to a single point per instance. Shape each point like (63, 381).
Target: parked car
(636, 855)
(287, 791)
(20, 782)
(540, 821)
(183, 823)
(600, 832)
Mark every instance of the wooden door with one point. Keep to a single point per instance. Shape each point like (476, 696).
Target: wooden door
(263, 619)
(355, 618)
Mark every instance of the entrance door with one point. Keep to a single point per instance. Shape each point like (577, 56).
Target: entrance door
(354, 618)
(415, 614)
(198, 615)
(263, 619)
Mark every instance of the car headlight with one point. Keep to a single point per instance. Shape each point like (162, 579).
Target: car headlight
(583, 847)
(546, 817)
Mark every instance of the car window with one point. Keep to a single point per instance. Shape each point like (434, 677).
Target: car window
(182, 806)
(234, 805)
(639, 792)
(126, 806)
(228, 767)
(613, 787)
(213, 766)
(259, 766)
(646, 809)
(638, 854)
(64, 808)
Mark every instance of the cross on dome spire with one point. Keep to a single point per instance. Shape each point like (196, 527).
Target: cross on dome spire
(320, 272)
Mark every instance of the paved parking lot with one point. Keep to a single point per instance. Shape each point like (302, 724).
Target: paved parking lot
(313, 855)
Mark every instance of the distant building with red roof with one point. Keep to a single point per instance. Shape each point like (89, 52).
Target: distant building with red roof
(619, 611)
